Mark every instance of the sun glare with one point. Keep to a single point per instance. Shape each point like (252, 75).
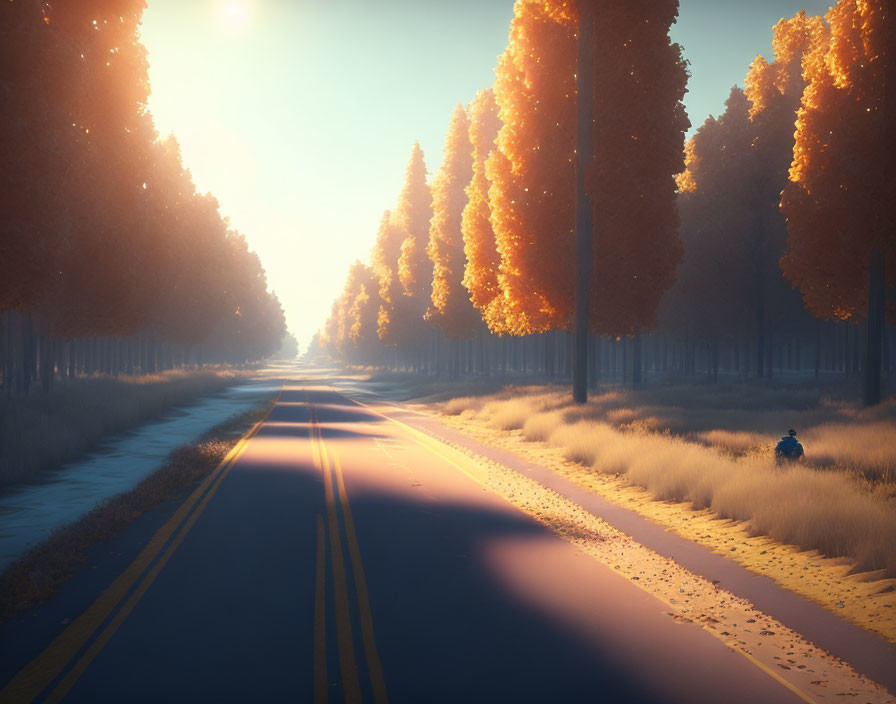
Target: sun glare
(234, 14)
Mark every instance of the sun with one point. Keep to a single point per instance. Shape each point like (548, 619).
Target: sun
(234, 14)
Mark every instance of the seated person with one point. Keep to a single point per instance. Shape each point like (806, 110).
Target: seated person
(789, 448)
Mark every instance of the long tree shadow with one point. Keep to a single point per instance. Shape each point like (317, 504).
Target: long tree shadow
(449, 623)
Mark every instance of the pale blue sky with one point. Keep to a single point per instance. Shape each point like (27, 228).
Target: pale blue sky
(299, 115)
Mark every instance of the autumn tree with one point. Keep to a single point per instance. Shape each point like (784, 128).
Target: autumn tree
(103, 238)
(412, 216)
(363, 312)
(480, 247)
(638, 127)
(352, 329)
(75, 125)
(395, 314)
(707, 302)
(840, 201)
(350, 332)
(451, 311)
(730, 283)
(774, 91)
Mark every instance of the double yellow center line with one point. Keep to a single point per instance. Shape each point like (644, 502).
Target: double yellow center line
(344, 639)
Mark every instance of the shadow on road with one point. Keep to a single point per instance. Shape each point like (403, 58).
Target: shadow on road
(230, 617)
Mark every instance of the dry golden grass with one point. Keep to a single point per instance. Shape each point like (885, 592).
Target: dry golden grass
(504, 415)
(44, 430)
(542, 425)
(869, 447)
(660, 441)
(35, 576)
(456, 406)
(737, 443)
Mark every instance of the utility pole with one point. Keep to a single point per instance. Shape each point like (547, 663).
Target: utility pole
(584, 225)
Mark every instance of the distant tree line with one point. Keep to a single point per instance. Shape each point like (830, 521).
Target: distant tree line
(110, 261)
(764, 244)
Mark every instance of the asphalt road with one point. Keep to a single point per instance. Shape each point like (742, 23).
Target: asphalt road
(339, 557)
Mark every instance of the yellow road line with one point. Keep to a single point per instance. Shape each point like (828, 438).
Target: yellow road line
(321, 684)
(435, 447)
(315, 455)
(347, 665)
(96, 647)
(40, 672)
(374, 665)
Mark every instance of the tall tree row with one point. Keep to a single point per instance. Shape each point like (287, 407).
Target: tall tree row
(412, 215)
(730, 289)
(451, 311)
(109, 259)
(400, 261)
(840, 201)
(716, 200)
(637, 136)
(480, 246)
(394, 316)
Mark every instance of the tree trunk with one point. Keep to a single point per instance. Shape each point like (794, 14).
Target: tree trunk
(760, 339)
(817, 350)
(46, 357)
(6, 369)
(584, 227)
(624, 361)
(29, 361)
(549, 355)
(876, 306)
(636, 362)
(715, 361)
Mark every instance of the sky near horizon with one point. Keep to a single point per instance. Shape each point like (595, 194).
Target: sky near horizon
(299, 115)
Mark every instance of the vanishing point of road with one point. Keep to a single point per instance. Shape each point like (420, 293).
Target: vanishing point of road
(340, 555)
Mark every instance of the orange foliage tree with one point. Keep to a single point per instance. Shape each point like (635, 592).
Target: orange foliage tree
(350, 332)
(451, 312)
(840, 201)
(732, 229)
(638, 138)
(103, 234)
(412, 215)
(394, 319)
(363, 312)
(708, 302)
(480, 247)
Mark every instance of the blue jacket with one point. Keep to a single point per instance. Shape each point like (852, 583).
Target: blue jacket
(789, 448)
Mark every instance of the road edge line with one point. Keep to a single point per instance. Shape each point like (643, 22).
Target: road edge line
(100, 641)
(32, 679)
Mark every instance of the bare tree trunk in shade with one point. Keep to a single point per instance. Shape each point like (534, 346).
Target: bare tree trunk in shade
(584, 154)
(876, 306)
(7, 352)
(817, 349)
(548, 355)
(29, 361)
(624, 361)
(637, 363)
(45, 359)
